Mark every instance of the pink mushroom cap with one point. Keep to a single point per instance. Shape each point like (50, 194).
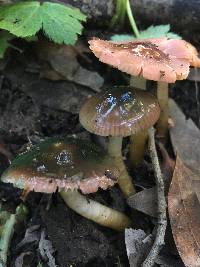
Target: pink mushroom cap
(154, 59)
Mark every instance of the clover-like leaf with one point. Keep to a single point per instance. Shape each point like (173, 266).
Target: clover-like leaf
(59, 22)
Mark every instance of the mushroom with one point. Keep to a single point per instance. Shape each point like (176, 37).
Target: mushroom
(118, 112)
(158, 59)
(69, 165)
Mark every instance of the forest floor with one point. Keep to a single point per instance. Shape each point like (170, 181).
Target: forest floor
(34, 105)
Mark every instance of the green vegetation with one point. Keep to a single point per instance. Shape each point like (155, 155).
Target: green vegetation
(150, 32)
(60, 23)
(122, 8)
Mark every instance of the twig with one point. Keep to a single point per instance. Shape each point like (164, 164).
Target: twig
(162, 220)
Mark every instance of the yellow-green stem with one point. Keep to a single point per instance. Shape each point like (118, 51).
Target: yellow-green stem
(163, 97)
(138, 82)
(137, 147)
(115, 151)
(137, 141)
(95, 211)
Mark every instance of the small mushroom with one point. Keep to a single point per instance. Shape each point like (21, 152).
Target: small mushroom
(69, 165)
(118, 112)
(161, 60)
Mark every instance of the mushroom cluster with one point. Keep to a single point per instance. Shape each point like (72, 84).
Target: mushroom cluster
(69, 165)
(160, 59)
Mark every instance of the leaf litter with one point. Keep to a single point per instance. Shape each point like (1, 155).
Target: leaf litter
(159, 260)
(46, 250)
(183, 206)
(63, 64)
(184, 193)
(138, 245)
(185, 137)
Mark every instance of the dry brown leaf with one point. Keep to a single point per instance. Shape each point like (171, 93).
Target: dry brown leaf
(185, 137)
(184, 213)
(145, 201)
(62, 64)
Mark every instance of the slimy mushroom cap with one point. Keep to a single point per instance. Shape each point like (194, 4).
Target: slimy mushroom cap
(63, 164)
(119, 111)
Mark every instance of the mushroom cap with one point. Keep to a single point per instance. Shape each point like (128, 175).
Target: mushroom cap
(64, 164)
(154, 59)
(119, 111)
(179, 49)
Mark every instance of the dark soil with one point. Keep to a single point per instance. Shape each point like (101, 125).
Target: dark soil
(32, 108)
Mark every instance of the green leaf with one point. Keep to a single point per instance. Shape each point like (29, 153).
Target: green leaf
(4, 44)
(59, 22)
(172, 35)
(151, 32)
(158, 31)
(122, 37)
(21, 19)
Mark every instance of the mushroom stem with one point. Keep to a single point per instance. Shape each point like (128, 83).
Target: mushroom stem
(138, 141)
(138, 82)
(137, 147)
(95, 211)
(124, 180)
(163, 96)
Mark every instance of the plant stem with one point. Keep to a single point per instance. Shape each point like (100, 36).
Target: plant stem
(95, 211)
(8, 222)
(131, 19)
(163, 97)
(120, 13)
(115, 151)
(6, 236)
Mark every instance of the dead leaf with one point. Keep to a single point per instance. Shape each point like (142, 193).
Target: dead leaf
(144, 201)
(64, 65)
(61, 95)
(32, 234)
(138, 244)
(46, 250)
(167, 166)
(184, 214)
(185, 137)
(20, 259)
(169, 261)
(194, 75)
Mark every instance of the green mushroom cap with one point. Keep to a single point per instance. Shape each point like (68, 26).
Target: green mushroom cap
(63, 164)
